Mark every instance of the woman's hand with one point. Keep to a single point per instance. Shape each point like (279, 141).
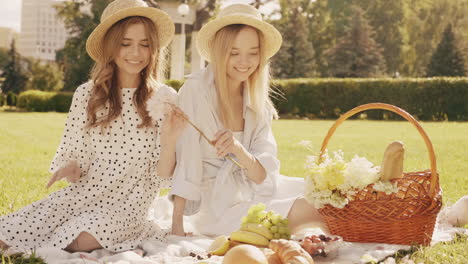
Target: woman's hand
(226, 143)
(71, 172)
(174, 124)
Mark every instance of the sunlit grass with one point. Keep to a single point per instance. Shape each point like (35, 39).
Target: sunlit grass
(28, 142)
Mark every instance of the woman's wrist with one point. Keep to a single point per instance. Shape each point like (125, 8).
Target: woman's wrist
(245, 158)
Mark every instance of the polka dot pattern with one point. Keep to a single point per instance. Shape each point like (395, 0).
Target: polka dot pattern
(118, 184)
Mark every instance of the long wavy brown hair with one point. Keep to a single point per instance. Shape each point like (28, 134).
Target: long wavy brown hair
(106, 93)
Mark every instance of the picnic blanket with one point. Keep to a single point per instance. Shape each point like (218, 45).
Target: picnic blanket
(192, 250)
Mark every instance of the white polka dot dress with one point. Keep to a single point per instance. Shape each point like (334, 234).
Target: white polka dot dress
(118, 184)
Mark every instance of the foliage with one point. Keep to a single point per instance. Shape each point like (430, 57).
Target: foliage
(387, 18)
(45, 76)
(425, 22)
(15, 78)
(427, 99)
(73, 57)
(405, 30)
(11, 98)
(3, 57)
(356, 54)
(447, 60)
(20, 258)
(296, 56)
(40, 101)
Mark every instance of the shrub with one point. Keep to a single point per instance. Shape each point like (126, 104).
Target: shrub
(425, 98)
(39, 101)
(11, 98)
(35, 100)
(61, 101)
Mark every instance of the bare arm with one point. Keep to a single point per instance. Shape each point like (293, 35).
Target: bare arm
(171, 130)
(253, 169)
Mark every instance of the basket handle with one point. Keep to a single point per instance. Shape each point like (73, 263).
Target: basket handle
(402, 113)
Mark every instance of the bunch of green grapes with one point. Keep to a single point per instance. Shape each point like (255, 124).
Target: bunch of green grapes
(274, 222)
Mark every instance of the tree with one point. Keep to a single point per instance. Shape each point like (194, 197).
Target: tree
(447, 60)
(3, 57)
(322, 32)
(426, 22)
(356, 53)
(387, 18)
(295, 59)
(45, 76)
(15, 78)
(73, 57)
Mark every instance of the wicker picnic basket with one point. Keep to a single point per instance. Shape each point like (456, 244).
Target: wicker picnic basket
(406, 217)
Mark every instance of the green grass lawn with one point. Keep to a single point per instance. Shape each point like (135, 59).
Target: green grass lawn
(28, 142)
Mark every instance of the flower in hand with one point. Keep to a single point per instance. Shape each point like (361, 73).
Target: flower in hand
(174, 123)
(71, 172)
(226, 143)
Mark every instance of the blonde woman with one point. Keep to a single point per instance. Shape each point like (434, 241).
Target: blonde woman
(229, 101)
(114, 153)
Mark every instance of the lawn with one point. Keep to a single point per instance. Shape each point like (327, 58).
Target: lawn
(28, 142)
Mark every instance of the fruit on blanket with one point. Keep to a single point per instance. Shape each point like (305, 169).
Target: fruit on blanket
(321, 245)
(290, 252)
(219, 246)
(245, 254)
(277, 225)
(258, 228)
(392, 163)
(249, 238)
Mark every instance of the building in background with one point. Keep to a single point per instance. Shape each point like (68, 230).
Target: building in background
(6, 37)
(42, 32)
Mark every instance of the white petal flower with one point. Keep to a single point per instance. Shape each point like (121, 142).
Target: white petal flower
(158, 105)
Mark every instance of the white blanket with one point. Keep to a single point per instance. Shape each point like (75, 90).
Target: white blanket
(179, 249)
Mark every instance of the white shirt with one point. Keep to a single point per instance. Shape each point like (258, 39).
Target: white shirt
(210, 184)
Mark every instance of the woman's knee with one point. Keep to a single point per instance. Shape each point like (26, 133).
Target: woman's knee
(3, 245)
(84, 242)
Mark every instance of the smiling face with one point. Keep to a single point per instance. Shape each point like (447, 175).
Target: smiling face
(245, 55)
(134, 53)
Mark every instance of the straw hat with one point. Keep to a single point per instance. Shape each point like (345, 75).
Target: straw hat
(120, 9)
(238, 14)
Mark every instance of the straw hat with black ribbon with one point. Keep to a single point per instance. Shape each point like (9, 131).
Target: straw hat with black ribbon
(238, 14)
(120, 9)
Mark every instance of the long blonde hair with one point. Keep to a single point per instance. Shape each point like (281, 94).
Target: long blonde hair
(106, 90)
(259, 86)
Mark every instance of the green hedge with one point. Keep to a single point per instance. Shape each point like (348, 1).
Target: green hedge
(424, 98)
(39, 101)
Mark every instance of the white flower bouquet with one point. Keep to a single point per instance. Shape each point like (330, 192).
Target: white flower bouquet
(335, 181)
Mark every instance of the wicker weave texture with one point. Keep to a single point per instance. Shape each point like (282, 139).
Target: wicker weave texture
(406, 217)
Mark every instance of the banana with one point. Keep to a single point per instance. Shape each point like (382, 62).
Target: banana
(249, 238)
(259, 229)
